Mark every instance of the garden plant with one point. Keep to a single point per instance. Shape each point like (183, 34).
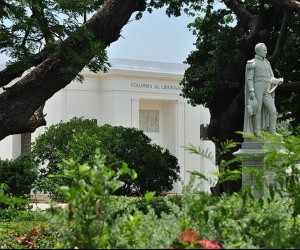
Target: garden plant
(94, 218)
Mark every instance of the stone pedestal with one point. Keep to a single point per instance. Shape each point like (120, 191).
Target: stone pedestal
(254, 174)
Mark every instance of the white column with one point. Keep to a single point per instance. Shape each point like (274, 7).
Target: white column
(180, 130)
(16, 146)
(208, 166)
(135, 113)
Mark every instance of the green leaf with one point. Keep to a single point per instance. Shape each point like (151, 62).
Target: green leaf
(149, 196)
(133, 175)
(84, 168)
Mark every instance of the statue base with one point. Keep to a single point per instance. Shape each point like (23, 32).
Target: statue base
(254, 174)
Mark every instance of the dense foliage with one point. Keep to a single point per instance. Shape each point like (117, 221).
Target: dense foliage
(157, 168)
(18, 175)
(31, 27)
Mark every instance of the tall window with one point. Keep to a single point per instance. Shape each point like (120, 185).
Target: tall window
(25, 143)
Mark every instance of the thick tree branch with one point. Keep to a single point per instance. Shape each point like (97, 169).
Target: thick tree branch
(242, 14)
(17, 69)
(281, 37)
(235, 70)
(19, 102)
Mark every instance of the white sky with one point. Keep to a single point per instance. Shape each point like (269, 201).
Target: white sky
(155, 37)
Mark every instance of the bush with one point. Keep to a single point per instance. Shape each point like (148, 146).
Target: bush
(12, 202)
(87, 214)
(241, 221)
(160, 204)
(14, 215)
(156, 168)
(19, 175)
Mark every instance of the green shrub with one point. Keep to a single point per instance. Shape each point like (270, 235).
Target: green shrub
(84, 223)
(241, 221)
(159, 204)
(19, 175)
(12, 202)
(14, 215)
(96, 219)
(92, 219)
(157, 169)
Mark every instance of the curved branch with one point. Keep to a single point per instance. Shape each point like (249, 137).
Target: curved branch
(16, 69)
(12, 72)
(281, 37)
(43, 23)
(242, 14)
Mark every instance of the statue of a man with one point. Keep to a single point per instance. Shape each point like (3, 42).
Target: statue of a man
(260, 84)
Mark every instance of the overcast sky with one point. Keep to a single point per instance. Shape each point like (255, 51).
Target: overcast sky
(155, 37)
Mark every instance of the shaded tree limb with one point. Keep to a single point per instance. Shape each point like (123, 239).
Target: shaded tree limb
(242, 14)
(20, 102)
(281, 36)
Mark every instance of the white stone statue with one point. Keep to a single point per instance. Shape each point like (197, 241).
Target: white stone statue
(260, 84)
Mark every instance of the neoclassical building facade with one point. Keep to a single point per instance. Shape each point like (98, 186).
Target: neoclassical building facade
(140, 94)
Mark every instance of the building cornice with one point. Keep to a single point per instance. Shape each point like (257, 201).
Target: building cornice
(138, 68)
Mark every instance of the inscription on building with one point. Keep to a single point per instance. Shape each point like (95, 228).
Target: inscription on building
(155, 86)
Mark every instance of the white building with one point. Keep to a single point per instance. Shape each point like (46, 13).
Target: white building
(140, 94)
